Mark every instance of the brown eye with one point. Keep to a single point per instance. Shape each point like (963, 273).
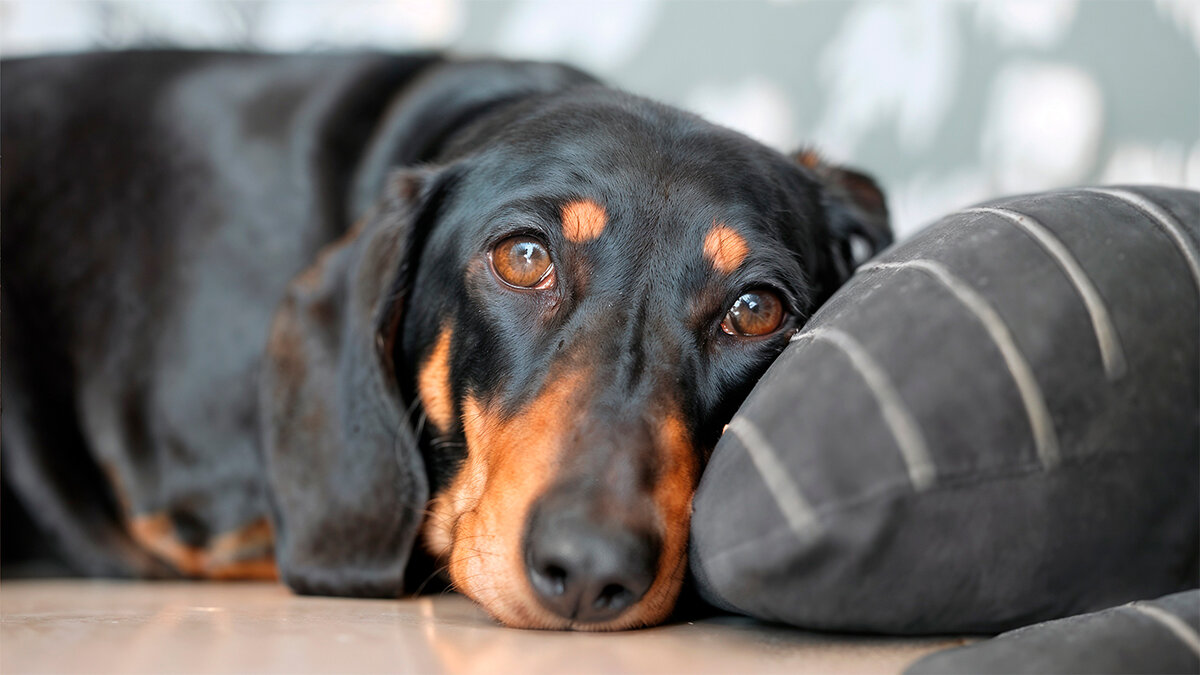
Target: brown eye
(757, 312)
(523, 262)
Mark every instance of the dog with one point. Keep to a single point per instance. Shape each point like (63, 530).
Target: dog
(288, 314)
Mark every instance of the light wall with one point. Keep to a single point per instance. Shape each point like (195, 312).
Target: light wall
(947, 103)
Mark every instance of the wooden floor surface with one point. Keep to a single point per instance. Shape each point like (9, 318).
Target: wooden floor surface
(142, 627)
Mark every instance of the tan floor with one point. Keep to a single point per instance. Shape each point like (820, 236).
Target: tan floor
(104, 626)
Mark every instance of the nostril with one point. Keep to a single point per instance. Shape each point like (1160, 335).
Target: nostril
(552, 579)
(590, 575)
(613, 596)
(555, 578)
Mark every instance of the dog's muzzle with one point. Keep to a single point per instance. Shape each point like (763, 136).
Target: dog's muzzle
(588, 557)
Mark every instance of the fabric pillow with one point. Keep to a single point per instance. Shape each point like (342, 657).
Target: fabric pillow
(1157, 636)
(995, 422)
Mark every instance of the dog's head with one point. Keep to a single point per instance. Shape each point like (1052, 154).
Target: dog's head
(577, 295)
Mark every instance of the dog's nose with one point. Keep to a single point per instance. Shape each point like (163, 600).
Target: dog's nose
(588, 572)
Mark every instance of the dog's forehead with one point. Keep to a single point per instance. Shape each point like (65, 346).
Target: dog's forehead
(625, 146)
(674, 183)
(635, 187)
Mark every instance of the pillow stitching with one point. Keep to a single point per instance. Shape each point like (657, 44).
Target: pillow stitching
(954, 482)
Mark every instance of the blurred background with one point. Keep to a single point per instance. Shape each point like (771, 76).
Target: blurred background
(946, 103)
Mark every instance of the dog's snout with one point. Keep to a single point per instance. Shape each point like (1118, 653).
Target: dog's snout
(588, 571)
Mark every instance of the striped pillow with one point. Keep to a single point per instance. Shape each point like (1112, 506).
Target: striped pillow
(995, 422)
(1154, 636)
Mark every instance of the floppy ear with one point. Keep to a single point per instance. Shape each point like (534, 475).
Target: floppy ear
(344, 474)
(443, 100)
(856, 213)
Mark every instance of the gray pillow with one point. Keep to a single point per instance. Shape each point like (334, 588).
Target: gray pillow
(1157, 636)
(993, 423)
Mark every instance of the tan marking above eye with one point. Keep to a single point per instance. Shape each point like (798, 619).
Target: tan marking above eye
(757, 312)
(583, 220)
(524, 262)
(433, 383)
(725, 248)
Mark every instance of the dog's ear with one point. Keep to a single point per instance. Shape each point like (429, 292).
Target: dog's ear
(856, 213)
(344, 475)
(441, 102)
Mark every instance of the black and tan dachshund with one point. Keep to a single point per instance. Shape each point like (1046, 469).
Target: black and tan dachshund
(293, 312)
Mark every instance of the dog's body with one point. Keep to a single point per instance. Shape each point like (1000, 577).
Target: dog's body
(233, 282)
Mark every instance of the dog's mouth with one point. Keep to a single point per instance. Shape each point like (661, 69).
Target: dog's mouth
(544, 539)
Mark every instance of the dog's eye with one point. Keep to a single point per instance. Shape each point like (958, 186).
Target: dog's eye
(755, 313)
(524, 262)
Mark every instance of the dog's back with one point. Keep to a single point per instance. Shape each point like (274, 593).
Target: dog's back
(155, 206)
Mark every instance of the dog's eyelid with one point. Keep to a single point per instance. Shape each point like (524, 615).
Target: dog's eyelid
(790, 299)
(501, 234)
(786, 277)
(548, 280)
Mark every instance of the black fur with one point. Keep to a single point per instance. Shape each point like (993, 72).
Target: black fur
(156, 206)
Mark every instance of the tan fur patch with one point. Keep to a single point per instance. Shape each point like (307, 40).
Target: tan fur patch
(583, 220)
(312, 278)
(725, 248)
(245, 553)
(678, 475)
(479, 522)
(808, 158)
(433, 383)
